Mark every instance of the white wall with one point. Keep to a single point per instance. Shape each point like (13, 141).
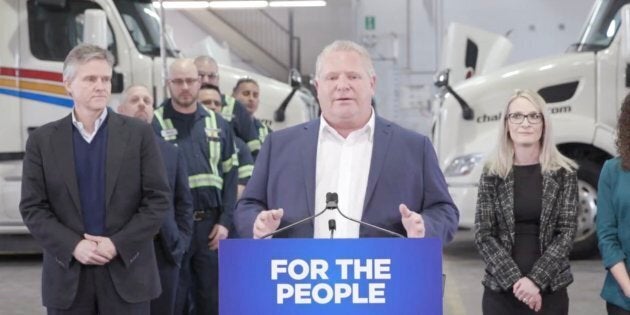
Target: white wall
(317, 27)
(192, 40)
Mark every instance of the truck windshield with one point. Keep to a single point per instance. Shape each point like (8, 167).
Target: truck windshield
(601, 26)
(143, 24)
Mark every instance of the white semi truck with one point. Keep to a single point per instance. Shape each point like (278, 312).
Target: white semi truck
(583, 87)
(36, 35)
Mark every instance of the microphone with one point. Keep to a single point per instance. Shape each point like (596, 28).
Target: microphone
(332, 226)
(331, 200)
(333, 205)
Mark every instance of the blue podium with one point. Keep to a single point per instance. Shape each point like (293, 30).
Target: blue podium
(324, 276)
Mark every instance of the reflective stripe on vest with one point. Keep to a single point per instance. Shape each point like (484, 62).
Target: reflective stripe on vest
(165, 125)
(227, 111)
(245, 171)
(214, 149)
(254, 145)
(262, 133)
(229, 163)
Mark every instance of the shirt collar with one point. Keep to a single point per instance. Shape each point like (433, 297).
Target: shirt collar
(99, 121)
(367, 128)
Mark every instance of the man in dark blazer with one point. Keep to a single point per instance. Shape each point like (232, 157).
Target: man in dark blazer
(174, 237)
(385, 175)
(94, 194)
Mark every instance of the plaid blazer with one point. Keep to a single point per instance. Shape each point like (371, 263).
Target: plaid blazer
(494, 230)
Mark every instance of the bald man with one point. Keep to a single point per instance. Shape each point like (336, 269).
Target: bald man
(174, 237)
(207, 142)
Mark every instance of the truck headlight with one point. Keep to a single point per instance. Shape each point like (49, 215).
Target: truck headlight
(463, 165)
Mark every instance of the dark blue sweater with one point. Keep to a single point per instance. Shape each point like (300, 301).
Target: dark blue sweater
(89, 164)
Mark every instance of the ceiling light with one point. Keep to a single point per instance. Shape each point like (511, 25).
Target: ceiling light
(298, 3)
(182, 4)
(238, 4)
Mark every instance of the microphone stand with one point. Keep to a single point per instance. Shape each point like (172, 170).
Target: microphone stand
(370, 225)
(332, 226)
(294, 224)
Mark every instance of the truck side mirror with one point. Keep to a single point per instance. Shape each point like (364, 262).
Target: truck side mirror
(95, 28)
(295, 78)
(118, 82)
(441, 78)
(625, 33)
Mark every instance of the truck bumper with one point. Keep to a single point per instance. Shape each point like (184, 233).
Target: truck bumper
(465, 198)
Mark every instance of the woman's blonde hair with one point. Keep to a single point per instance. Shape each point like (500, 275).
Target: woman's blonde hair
(500, 162)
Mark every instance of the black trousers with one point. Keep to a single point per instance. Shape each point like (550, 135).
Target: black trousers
(169, 278)
(96, 295)
(613, 309)
(502, 303)
(198, 291)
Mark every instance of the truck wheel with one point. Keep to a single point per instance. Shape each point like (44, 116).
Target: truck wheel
(585, 244)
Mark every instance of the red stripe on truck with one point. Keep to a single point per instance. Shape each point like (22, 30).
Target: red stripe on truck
(32, 74)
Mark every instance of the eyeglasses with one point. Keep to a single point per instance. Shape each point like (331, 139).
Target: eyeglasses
(211, 102)
(210, 75)
(533, 118)
(188, 81)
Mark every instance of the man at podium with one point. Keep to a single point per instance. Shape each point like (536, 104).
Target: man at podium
(383, 174)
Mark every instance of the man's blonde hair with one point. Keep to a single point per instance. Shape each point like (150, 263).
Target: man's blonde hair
(345, 45)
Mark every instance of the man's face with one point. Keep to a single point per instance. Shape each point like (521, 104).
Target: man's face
(247, 94)
(208, 72)
(184, 84)
(345, 89)
(138, 103)
(211, 99)
(91, 86)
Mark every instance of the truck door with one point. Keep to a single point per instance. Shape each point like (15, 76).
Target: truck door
(31, 87)
(51, 32)
(10, 139)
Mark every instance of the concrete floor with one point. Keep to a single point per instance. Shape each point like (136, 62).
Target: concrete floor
(465, 269)
(20, 282)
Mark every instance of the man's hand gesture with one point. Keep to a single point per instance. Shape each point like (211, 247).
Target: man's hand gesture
(267, 221)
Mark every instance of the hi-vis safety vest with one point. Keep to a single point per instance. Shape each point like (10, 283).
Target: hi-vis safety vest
(227, 112)
(263, 132)
(212, 179)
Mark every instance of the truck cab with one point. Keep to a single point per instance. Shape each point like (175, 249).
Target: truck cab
(37, 36)
(584, 89)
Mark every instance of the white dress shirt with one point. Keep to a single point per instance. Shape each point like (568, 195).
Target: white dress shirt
(97, 124)
(342, 166)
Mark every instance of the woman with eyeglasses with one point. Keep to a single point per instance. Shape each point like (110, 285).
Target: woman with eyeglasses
(526, 215)
(613, 219)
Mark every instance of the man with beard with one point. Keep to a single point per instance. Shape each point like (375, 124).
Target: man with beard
(174, 237)
(207, 143)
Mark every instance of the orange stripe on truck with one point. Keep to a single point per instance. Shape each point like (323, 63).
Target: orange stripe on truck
(33, 86)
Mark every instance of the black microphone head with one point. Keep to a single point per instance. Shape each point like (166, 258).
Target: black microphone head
(334, 197)
(331, 200)
(332, 224)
